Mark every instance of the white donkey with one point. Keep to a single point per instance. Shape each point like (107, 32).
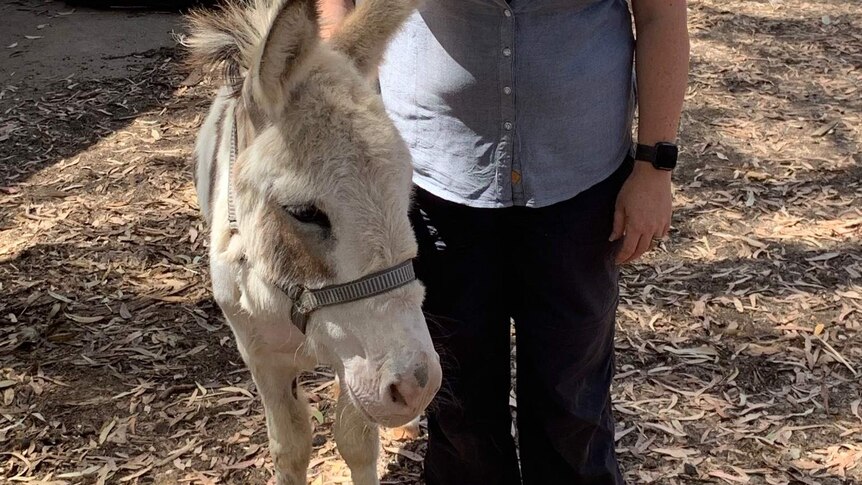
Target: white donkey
(305, 184)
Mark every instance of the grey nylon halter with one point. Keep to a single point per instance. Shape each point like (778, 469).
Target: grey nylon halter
(304, 301)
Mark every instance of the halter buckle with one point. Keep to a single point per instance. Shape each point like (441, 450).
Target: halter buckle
(296, 292)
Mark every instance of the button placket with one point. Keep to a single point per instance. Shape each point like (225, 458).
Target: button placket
(510, 172)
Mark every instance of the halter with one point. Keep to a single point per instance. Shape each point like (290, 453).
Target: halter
(304, 300)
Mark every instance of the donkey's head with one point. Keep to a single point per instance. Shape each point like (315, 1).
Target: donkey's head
(321, 187)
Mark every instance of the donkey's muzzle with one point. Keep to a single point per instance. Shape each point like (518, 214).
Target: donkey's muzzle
(405, 393)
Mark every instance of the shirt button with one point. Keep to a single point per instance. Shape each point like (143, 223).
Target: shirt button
(507, 90)
(516, 177)
(507, 52)
(507, 13)
(508, 125)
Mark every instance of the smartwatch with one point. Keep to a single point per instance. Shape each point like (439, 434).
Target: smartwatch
(662, 155)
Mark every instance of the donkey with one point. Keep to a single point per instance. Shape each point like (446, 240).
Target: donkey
(305, 185)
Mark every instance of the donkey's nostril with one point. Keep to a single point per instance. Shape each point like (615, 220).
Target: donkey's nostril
(395, 395)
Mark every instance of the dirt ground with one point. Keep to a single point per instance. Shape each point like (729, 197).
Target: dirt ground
(739, 340)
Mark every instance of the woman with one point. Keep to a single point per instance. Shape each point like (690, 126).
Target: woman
(518, 115)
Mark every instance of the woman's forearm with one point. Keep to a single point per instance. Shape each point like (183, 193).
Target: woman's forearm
(662, 57)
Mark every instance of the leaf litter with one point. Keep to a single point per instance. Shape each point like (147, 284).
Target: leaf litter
(739, 347)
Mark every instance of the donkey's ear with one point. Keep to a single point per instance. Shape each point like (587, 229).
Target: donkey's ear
(368, 30)
(292, 36)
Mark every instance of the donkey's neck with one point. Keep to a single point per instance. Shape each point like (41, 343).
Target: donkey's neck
(212, 154)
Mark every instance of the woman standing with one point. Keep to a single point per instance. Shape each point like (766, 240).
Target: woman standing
(529, 195)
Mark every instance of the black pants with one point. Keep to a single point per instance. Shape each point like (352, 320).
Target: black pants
(551, 270)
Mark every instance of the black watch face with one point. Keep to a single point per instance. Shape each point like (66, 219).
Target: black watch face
(666, 155)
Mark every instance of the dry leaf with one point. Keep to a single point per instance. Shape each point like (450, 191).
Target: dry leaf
(82, 319)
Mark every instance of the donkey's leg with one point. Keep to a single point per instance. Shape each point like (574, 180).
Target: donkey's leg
(287, 419)
(357, 441)
(409, 431)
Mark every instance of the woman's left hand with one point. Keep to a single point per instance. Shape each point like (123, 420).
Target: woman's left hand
(643, 211)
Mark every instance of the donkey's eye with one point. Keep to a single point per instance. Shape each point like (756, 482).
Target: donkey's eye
(309, 214)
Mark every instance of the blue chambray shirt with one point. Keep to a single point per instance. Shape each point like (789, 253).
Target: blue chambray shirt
(525, 103)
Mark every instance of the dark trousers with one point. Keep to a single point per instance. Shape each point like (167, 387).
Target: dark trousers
(550, 269)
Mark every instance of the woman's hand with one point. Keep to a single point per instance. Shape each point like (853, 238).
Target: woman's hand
(643, 211)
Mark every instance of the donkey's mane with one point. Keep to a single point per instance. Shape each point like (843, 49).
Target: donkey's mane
(229, 37)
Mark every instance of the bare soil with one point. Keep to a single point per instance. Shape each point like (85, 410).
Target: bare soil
(739, 340)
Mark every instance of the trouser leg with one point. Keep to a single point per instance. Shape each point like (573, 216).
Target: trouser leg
(566, 304)
(469, 423)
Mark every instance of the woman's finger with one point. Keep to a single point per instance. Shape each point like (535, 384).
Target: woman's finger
(630, 244)
(643, 246)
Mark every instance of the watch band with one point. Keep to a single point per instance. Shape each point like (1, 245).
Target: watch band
(646, 153)
(662, 155)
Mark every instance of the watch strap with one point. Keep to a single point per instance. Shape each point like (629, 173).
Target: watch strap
(647, 153)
